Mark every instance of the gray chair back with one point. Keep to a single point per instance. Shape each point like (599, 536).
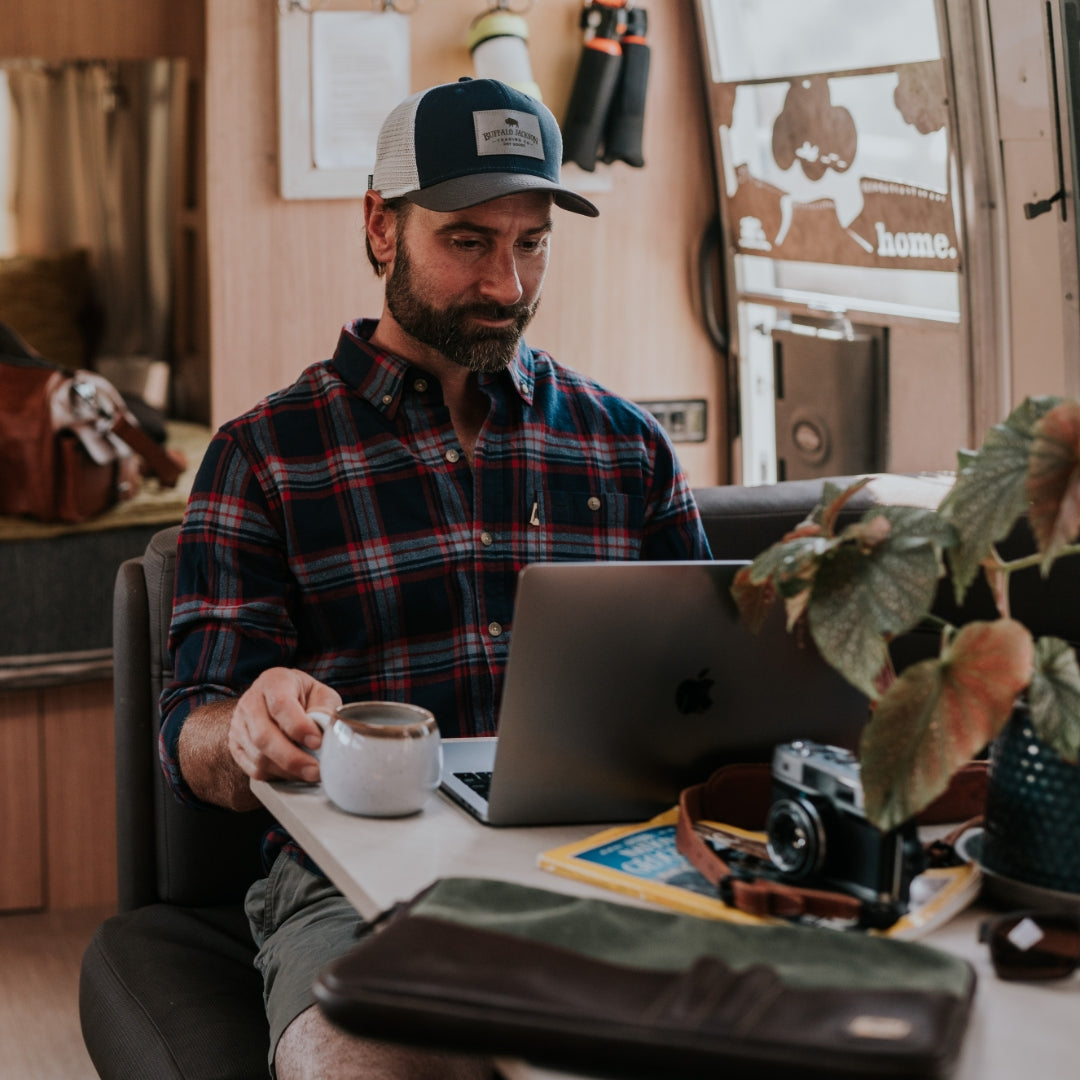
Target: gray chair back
(166, 851)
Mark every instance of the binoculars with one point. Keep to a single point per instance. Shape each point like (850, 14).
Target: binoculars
(606, 112)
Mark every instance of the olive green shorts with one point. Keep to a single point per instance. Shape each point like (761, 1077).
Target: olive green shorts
(300, 923)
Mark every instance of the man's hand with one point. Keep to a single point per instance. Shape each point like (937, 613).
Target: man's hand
(259, 736)
(270, 725)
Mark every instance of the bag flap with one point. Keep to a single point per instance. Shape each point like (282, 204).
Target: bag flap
(666, 940)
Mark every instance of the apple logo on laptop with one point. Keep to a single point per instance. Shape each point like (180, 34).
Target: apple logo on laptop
(692, 695)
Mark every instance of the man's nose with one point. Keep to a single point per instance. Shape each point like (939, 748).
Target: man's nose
(501, 282)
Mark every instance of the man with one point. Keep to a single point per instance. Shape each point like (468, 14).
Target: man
(358, 535)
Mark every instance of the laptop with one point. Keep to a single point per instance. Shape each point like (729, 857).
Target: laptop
(628, 681)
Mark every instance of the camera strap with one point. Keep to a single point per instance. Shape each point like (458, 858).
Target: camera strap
(739, 796)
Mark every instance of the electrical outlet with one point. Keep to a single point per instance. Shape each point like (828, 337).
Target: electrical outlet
(684, 421)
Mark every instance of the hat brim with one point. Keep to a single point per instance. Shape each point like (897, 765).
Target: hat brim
(464, 191)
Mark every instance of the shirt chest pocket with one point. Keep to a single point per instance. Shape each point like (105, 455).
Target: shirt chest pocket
(585, 525)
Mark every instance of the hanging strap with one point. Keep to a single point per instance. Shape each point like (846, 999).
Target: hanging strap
(166, 466)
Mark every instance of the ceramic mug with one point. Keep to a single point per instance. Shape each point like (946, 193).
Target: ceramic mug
(379, 758)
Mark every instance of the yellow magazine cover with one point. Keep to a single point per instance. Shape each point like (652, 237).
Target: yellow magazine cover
(642, 861)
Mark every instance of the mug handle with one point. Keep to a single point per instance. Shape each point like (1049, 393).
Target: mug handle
(435, 773)
(324, 720)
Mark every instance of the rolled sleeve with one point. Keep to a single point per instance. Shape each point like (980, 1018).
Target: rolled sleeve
(230, 616)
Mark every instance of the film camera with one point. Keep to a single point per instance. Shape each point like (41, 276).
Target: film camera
(818, 835)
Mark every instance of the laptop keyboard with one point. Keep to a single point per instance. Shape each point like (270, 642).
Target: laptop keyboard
(480, 782)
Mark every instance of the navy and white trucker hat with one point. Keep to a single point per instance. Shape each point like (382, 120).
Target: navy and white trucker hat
(463, 143)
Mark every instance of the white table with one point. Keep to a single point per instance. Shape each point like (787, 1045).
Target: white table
(1017, 1030)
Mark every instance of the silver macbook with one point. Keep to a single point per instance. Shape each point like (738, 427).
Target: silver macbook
(627, 681)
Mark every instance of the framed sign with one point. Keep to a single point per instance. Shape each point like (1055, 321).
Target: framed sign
(339, 74)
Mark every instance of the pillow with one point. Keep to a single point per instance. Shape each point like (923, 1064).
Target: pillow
(47, 299)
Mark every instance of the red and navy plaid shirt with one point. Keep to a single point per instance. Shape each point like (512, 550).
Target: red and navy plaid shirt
(337, 527)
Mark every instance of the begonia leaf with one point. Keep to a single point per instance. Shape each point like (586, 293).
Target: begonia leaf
(785, 569)
(879, 585)
(753, 598)
(1052, 485)
(989, 494)
(833, 500)
(938, 714)
(1054, 697)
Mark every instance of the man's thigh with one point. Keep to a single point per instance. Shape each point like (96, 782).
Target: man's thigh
(301, 923)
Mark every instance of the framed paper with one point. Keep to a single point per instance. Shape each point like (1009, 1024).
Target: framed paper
(339, 74)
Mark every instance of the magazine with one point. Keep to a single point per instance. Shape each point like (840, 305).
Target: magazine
(642, 861)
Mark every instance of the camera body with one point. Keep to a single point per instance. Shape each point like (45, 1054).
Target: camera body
(818, 834)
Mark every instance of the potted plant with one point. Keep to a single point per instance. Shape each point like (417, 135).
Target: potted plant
(854, 589)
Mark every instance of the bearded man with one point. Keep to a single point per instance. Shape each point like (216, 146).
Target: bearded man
(358, 535)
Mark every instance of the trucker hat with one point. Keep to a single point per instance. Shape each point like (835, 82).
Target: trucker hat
(463, 143)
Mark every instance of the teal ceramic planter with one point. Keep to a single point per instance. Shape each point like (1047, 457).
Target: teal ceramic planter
(1032, 829)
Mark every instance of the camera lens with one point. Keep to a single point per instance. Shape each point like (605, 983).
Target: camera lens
(796, 842)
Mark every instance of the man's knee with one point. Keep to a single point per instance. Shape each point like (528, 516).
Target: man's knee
(311, 1048)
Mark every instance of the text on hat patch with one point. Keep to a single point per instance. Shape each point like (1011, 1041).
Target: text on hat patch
(507, 131)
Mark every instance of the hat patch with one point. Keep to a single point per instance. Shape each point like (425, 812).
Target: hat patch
(508, 131)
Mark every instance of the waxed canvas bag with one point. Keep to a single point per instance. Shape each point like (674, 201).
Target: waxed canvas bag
(490, 967)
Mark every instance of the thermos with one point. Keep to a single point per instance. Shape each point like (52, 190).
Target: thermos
(498, 41)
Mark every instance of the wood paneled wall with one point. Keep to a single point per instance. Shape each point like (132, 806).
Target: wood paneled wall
(620, 301)
(57, 797)
(22, 833)
(105, 29)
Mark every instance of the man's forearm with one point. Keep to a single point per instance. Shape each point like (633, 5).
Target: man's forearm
(206, 763)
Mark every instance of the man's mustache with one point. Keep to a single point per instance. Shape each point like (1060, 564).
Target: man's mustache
(496, 311)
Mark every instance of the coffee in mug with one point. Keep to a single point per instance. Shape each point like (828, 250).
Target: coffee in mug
(379, 758)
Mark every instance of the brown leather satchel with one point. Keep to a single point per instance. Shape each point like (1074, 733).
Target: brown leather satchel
(69, 446)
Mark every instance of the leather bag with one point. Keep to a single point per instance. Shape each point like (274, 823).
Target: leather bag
(489, 967)
(69, 446)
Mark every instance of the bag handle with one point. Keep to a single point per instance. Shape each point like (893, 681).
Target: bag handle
(163, 464)
(740, 795)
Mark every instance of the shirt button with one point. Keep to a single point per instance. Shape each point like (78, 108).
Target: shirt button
(388, 399)
(420, 385)
(593, 503)
(453, 455)
(495, 629)
(486, 539)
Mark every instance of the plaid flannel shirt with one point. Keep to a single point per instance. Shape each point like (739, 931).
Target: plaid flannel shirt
(337, 527)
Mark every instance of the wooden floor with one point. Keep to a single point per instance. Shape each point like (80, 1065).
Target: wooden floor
(39, 995)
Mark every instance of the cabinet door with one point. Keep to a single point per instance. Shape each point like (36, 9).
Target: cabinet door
(21, 839)
(80, 794)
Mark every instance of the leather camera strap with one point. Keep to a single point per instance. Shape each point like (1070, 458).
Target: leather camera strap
(740, 796)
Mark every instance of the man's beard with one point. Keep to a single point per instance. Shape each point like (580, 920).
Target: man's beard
(480, 349)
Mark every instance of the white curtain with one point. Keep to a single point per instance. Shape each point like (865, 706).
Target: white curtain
(7, 147)
(94, 165)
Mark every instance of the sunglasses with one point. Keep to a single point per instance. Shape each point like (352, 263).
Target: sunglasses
(1033, 944)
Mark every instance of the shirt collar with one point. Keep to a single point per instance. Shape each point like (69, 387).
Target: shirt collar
(380, 376)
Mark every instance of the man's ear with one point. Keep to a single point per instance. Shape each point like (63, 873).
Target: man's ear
(381, 225)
